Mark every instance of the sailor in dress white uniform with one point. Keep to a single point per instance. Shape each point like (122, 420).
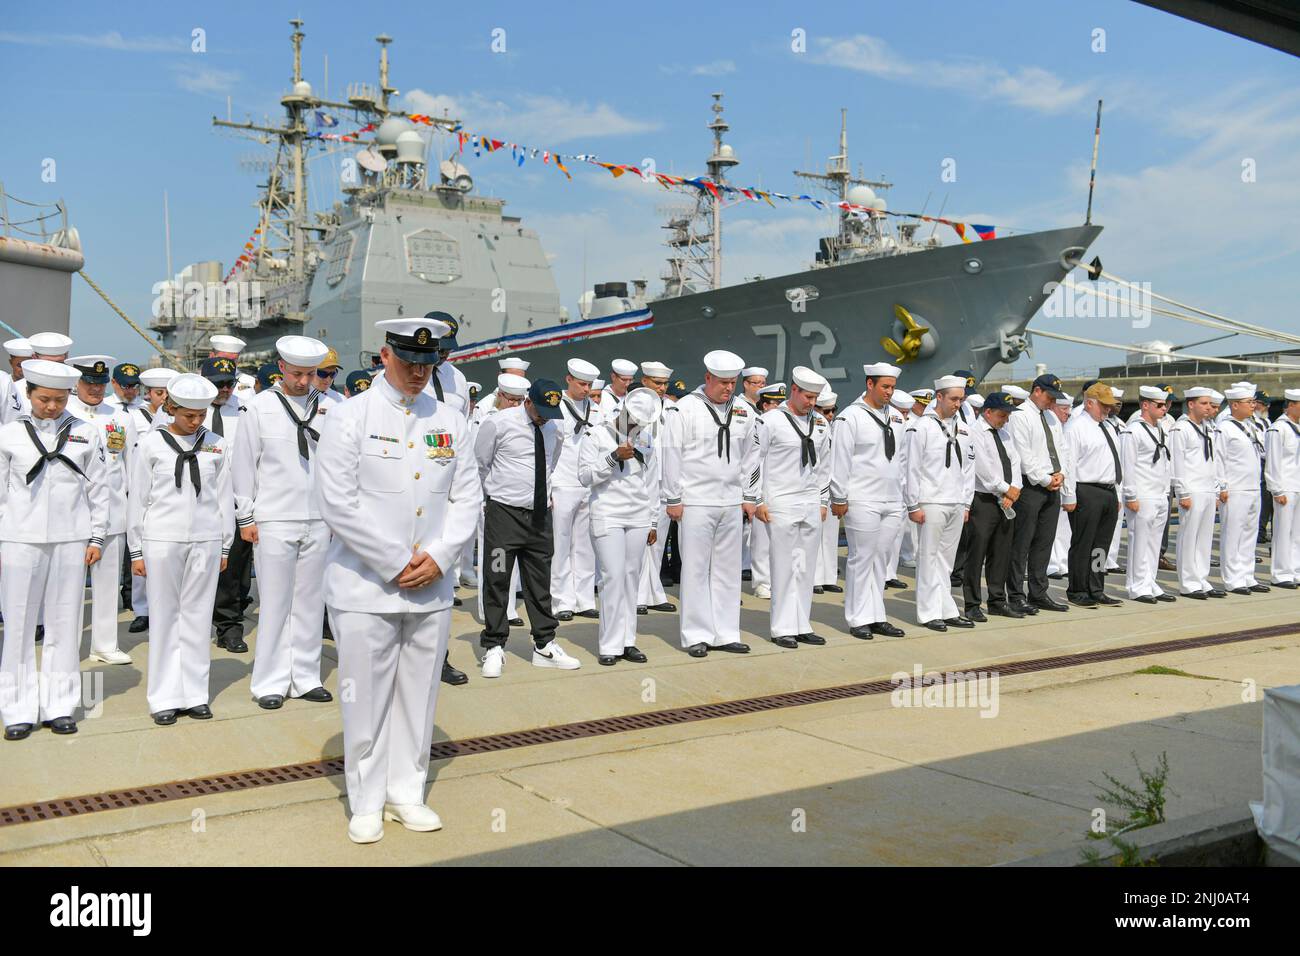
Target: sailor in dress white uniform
(573, 568)
(1282, 475)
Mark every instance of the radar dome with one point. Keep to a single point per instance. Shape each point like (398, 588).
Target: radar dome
(390, 129)
(410, 147)
(302, 88)
(878, 204)
(726, 150)
(861, 195)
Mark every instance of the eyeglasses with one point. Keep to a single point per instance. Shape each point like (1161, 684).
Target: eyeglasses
(323, 373)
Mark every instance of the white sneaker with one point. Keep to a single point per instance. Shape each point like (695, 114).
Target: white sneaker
(111, 657)
(415, 816)
(493, 661)
(553, 655)
(366, 827)
(763, 591)
(906, 563)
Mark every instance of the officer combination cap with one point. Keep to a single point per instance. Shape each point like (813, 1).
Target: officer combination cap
(227, 343)
(301, 350)
(1050, 384)
(358, 381)
(582, 370)
(655, 370)
(753, 372)
(1152, 393)
(545, 396)
(623, 367)
(1102, 393)
(902, 400)
(1015, 391)
(50, 343)
(192, 391)
(413, 340)
(807, 379)
(447, 341)
(270, 373)
(157, 377)
(220, 371)
(126, 374)
(94, 369)
(49, 374)
(513, 384)
(923, 395)
(474, 389)
(723, 364)
(514, 364)
(774, 392)
(19, 348)
(881, 370)
(949, 381)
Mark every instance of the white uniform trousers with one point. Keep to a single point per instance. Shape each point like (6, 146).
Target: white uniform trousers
(388, 687)
(1112, 555)
(746, 554)
(651, 590)
(907, 544)
(1145, 531)
(760, 549)
(1238, 532)
(795, 536)
(710, 588)
(1059, 562)
(828, 551)
(182, 581)
(1286, 539)
(1195, 539)
(622, 552)
(936, 549)
(290, 558)
(873, 534)
(105, 585)
(573, 566)
(48, 579)
(139, 596)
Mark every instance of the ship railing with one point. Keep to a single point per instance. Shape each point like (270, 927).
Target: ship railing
(11, 225)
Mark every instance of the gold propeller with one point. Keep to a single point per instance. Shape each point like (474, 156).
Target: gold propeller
(913, 333)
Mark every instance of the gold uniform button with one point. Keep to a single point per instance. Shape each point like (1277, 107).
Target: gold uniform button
(419, 512)
(417, 474)
(408, 411)
(410, 444)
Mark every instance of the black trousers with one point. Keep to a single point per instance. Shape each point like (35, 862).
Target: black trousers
(232, 588)
(1092, 525)
(1265, 507)
(991, 535)
(963, 550)
(1169, 518)
(509, 536)
(126, 578)
(670, 569)
(1037, 511)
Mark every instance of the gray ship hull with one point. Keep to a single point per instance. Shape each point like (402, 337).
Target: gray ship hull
(971, 296)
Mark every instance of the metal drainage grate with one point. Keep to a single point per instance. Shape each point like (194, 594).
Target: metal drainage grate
(493, 743)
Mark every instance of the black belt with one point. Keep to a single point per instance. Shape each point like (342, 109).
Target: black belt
(988, 496)
(1097, 484)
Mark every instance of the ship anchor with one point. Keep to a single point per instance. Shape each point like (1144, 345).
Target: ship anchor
(913, 333)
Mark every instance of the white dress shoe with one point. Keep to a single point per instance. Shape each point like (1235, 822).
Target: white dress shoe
(493, 661)
(111, 657)
(763, 591)
(413, 816)
(553, 655)
(366, 827)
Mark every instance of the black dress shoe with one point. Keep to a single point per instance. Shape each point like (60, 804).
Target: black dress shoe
(862, 632)
(1245, 591)
(1166, 598)
(895, 583)
(201, 712)
(960, 621)
(1005, 610)
(1119, 570)
(1083, 602)
(976, 615)
(1194, 595)
(634, 654)
(666, 607)
(815, 639)
(590, 612)
(270, 702)
(936, 625)
(40, 633)
(833, 588)
(735, 647)
(516, 622)
(452, 676)
(1106, 599)
(317, 695)
(1047, 604)
(818, 589)
(165, 718)
(18, 731)
(785, 641)
(232, 642)
(559, 616)
(1289, 585)
(1146, 599)
(1024, 607)
(885, 629)
(61, 725)
(606, 660)
(138, 625)
(642, 610)
(1260, 588)
(699, 650)
(1059, 576)
(1216, 593)
(456, 602)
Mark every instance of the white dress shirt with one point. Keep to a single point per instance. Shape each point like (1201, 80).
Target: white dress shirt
(504, 449)
(989, 474)
(860, 471)
(1026, 427)
(1094, 461)
(58, 504)
(230, 412)
(455, 387)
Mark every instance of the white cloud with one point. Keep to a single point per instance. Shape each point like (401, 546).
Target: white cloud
(1030, 87)
(202, 79)
(530, 118)
(111, 40)
(714, 68)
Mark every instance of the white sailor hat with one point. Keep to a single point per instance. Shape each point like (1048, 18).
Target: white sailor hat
(94, 369)
(19, 348)
(1249, 385)
(515, 364)
(1152, 393)
(191, 391)
(414, 340)
(50, 343)
(1216, 396)
(827, 398)
(642, 406)
(301, 350)
(583, 371)
(1118, 392)
(882, 370)
(49, 374)
(902, 399)
(1237, 393)
(226, 343)
(1292, 394)
(1065, 400)
(1199, 391)
(157, 377)
(723, 364)
(655, 370)
(949, 381)
(513, 384)
(597, 385)
(1015, 391)
(752, 371)
(623, 367)
(976, 400)
(806, 378)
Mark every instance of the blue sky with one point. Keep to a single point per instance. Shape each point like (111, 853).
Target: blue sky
(1008, 90)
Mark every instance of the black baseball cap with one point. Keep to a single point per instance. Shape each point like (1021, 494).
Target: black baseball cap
(218, 371)
(269, 374)
(357, 381)
(126, 374)
(545, 396)
(1050, 384)
(998, 401)
(969, 376)
(448, 341)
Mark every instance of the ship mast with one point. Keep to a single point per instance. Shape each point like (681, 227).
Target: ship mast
(722, 159)
(837, 178)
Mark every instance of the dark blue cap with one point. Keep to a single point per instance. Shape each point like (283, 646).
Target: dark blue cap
(126, 374)
(1050, 384)
(447, 341)
(998, 401)
(95, 373)
(678, 389)
(969, 376)
(357, 381)
(545, 396)
(219, 371)
(269, 374)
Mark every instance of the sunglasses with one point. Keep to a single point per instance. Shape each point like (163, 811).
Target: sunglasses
(322, 373)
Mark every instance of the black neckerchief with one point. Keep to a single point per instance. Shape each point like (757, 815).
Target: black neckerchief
(724, 428)
(807, 453)
(951, 439)
(1159, 439)
(48, 456)
(148, 416)
(1253, 440)
(580, 422)
(303, 424)
(1207, 445)
(183, 456)
(890, 447)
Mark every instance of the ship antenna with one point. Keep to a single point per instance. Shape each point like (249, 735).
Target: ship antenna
(1092, 177)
